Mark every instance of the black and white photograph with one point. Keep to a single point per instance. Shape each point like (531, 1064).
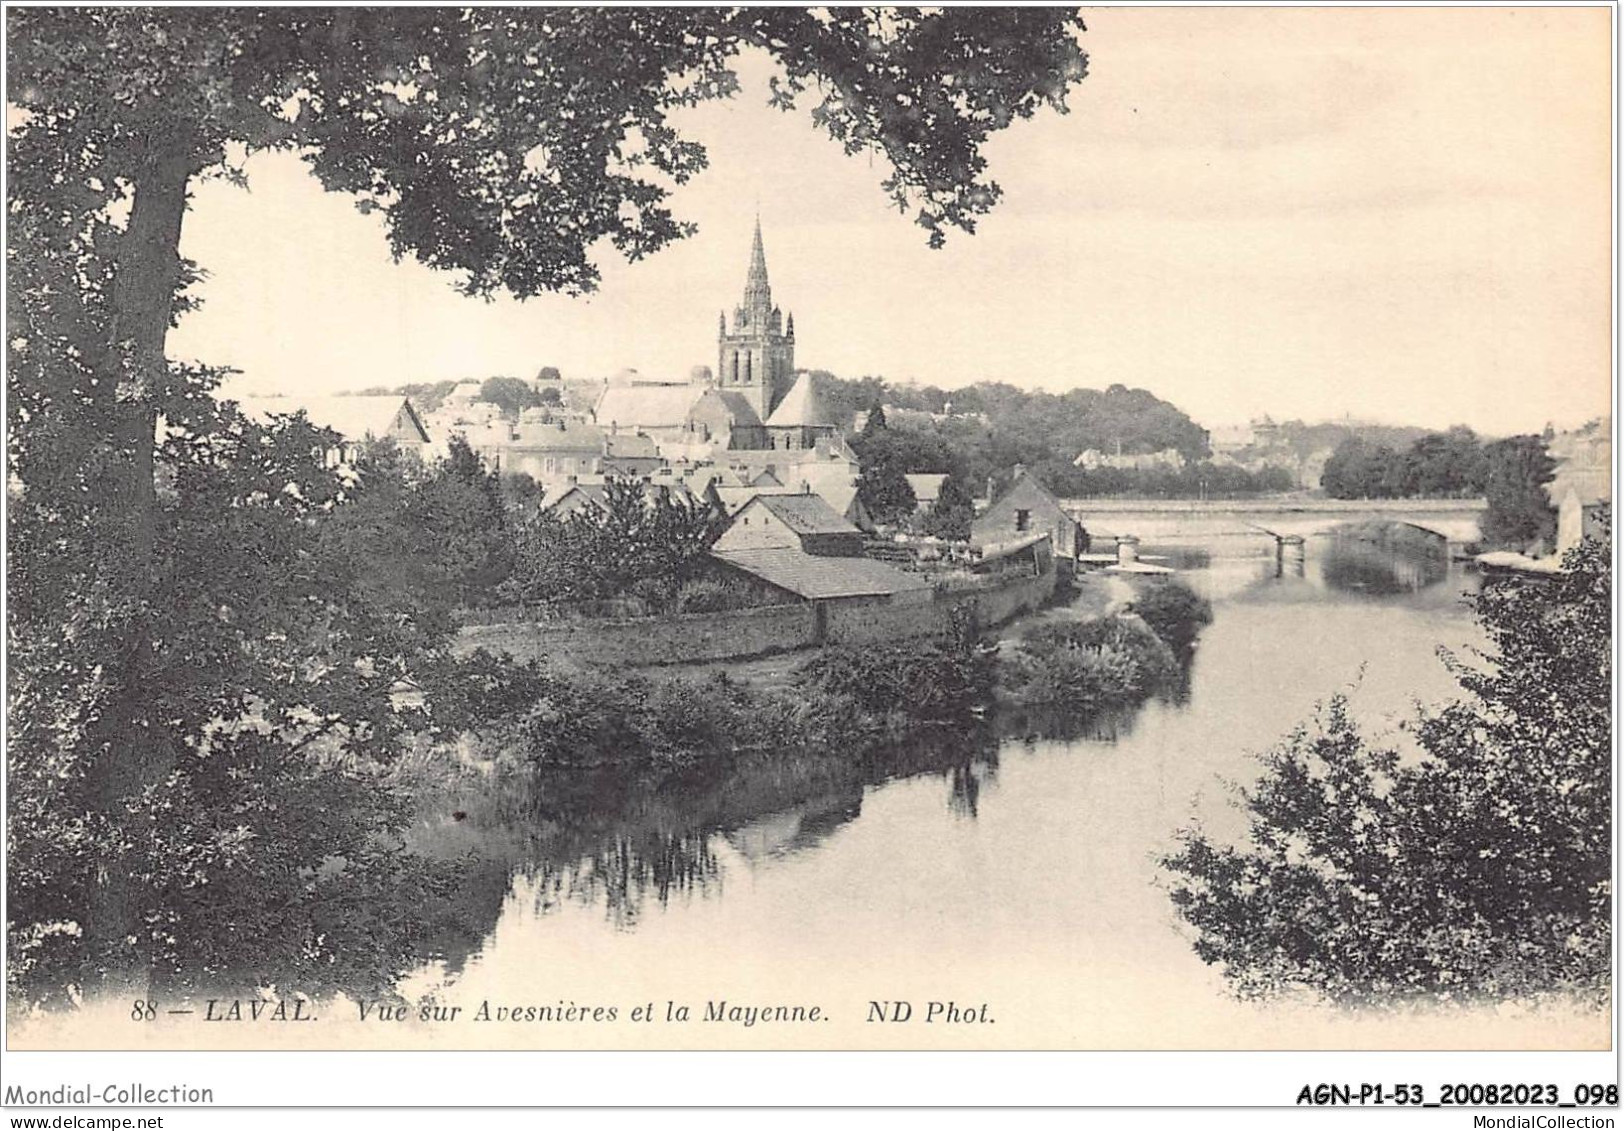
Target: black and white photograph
(862, 529)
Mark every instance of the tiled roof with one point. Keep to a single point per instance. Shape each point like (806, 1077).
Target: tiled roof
(560, 435)
(629, 445)
(806, 514)
(648, 406)
(816, 578)
(735, 498)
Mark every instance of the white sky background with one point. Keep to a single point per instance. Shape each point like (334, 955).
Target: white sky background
(1401, 213)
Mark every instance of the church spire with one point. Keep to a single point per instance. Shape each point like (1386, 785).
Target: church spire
(757, 294)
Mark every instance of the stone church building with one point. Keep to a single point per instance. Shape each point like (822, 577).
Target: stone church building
(757, 356)
(755, 401)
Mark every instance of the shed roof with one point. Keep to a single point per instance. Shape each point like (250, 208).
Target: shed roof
(997, 550)
(816, 578)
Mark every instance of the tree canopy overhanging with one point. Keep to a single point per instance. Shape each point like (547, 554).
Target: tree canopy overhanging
(208, 626)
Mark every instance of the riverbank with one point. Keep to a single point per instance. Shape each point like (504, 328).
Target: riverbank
(665, 721)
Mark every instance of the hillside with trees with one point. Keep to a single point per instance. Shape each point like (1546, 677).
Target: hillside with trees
(980, 432)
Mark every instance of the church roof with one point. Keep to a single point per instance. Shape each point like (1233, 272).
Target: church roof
(744, 413)
(800, 408)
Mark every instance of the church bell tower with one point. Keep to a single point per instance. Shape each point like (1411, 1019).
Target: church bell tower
(756, 357)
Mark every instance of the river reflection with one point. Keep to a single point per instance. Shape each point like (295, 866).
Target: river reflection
(624, 843)
(1036, 832)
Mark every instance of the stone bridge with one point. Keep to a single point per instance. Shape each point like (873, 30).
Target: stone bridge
(1456, 521)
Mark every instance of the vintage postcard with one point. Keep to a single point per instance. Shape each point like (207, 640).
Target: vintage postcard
(772, 528)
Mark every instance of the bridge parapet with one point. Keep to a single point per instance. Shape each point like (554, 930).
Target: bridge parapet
(1156, 520)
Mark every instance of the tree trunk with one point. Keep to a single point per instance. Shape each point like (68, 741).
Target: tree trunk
(133, 753)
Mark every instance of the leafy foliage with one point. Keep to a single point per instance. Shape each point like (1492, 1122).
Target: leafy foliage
(1086, 665)
(1174, 611)
(840, 700)
(1452, 464)
(290, 603)
(497, 142)
(936, 680)
(633, 541)
(512, 395)
(981, 431)
(210, 681)
(1480, 867)
(953, 513)
(1519, 511)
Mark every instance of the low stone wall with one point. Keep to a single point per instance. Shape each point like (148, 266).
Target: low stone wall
(687, 638)
(739, 634)
(880, 621)
(995, 606)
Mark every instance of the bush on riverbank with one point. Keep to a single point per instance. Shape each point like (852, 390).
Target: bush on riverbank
(924, 681)
(1086, 665)
(840, 698)
(1476, 866)
(1174, 612)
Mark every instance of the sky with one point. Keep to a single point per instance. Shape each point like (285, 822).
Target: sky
(1398, 214)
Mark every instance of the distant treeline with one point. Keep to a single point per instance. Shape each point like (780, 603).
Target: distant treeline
(1438, 465)
(979, 432)
(509, 393)
(1511, 474)
(1205, 480)
(426, 396)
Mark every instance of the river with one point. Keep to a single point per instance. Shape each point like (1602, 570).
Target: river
(1019, 871)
